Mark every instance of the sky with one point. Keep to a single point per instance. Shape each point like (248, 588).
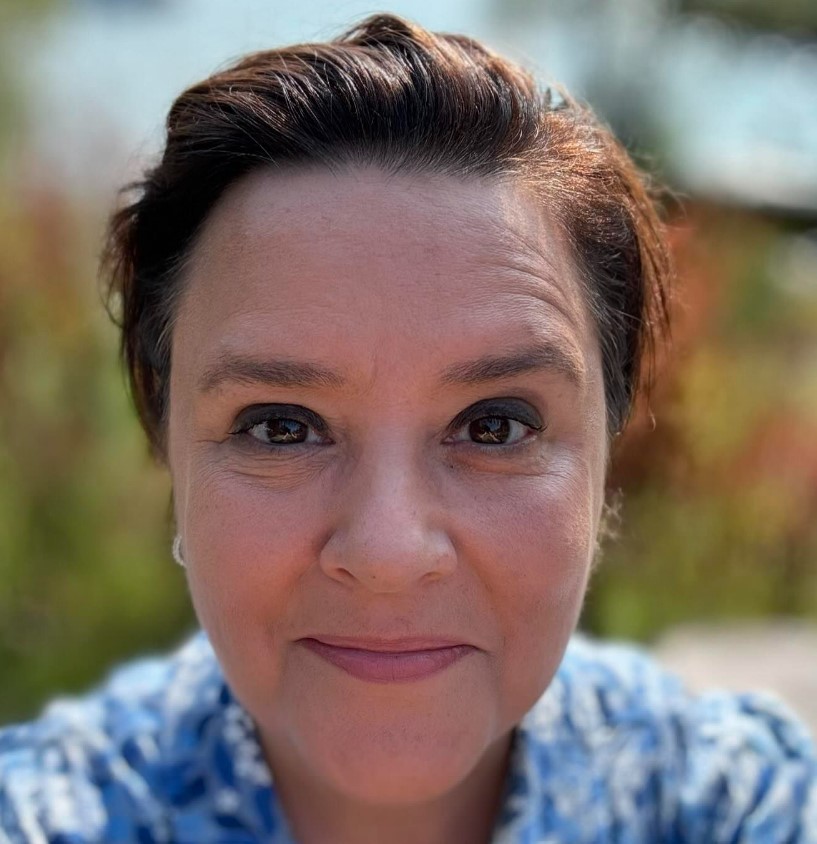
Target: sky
(739, 113)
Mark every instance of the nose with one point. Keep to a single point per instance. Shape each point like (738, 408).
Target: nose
(390, 533)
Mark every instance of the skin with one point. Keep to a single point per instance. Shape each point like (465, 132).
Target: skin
(391, 521)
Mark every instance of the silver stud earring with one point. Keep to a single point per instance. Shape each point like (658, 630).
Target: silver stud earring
(177, 550)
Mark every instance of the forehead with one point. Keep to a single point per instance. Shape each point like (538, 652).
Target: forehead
(365, 261)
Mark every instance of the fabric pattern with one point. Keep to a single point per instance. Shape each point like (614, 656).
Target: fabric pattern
(615, 752)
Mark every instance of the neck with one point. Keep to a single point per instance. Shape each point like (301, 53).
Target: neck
(467, 813)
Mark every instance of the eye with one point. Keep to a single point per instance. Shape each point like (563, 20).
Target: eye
(496, 430)
(280, 425)
(280, 431)
(496, 422)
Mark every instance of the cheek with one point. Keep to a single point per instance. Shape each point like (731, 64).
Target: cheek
(248, 546)
(532, 547)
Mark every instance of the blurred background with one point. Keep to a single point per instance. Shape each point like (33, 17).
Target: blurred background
(716, 480)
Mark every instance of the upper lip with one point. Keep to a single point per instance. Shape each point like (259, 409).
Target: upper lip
(405, 644)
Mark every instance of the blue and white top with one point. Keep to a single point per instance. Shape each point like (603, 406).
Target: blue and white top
(615, 752)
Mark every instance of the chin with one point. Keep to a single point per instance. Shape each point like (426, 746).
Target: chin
(393, 761)
(408, 775)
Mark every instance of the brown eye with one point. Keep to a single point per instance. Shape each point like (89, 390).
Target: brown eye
(491, 430)
(281, 425)
(280, 431)
(496, 423)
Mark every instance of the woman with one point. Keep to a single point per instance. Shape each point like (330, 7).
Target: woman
(384, 308)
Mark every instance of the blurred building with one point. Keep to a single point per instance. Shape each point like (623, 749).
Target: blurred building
(724, 109)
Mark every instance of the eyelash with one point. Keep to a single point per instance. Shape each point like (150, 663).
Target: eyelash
(512, 410)
(256, 415)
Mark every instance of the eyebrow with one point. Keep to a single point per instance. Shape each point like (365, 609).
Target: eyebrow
(242, 369)
(545, 355)
(278, 373)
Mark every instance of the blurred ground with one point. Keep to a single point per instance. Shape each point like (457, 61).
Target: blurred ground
(778, 656)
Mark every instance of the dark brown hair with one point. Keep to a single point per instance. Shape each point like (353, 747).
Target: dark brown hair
(392, 94)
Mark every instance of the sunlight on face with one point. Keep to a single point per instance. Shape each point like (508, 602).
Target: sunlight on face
(388, 449)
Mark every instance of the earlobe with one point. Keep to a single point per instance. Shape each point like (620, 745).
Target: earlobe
(176, 549)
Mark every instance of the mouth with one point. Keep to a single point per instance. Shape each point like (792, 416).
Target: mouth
(389, 661)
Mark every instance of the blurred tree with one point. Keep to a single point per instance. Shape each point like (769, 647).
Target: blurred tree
(15, 15)
(618, 43)
(793, 17)
(85, 571)
(719, 497)
(86, 576)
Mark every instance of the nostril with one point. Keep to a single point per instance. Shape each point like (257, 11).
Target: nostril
(389, 562)
(386, 533)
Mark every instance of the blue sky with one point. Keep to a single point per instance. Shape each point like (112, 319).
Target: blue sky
(740, 113)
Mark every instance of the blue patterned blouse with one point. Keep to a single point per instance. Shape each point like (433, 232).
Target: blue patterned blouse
(615, 752)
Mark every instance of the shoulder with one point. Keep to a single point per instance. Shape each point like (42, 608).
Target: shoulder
(87, 763)
(649, 756)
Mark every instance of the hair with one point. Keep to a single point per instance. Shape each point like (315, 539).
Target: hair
(391, 94)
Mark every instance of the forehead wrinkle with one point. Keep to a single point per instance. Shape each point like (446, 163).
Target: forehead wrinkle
(546, 289)
(517, 244)
(546, 275)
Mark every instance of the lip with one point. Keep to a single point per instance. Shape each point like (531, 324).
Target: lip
(389, 660)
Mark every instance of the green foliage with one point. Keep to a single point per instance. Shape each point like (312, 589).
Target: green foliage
(719, 519)
(15, 17)
(85, 570)
(719, 500)
(85, 576)
(791, 16)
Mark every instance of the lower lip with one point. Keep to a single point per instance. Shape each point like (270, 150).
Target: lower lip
(386, 666)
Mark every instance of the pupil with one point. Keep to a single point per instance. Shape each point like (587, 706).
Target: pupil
(286, 431)
(490, 429)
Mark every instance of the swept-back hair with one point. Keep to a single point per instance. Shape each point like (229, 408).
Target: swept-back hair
(391, 94)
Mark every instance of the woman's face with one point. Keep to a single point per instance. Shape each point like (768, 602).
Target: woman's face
(387, 447)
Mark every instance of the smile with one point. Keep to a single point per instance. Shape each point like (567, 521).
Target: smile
(384, 664)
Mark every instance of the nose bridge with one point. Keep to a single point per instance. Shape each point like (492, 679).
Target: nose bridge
(389, 534)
